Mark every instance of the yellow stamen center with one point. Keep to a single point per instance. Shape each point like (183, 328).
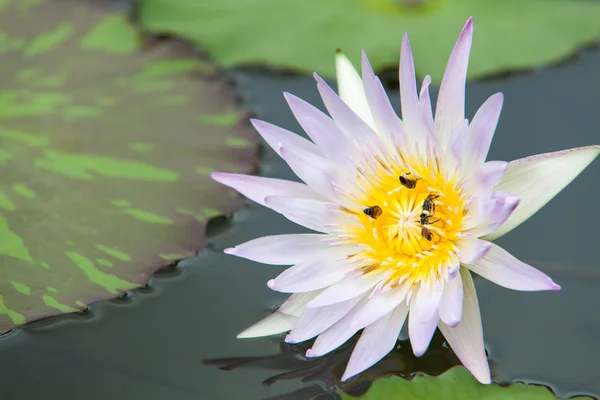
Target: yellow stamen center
(413, 238)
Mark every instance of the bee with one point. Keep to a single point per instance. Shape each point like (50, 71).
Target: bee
(373, 211)
(427, 234)
(425, 219)
(408, 182)
(429, 205)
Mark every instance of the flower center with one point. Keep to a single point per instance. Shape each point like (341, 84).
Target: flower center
(412, 217)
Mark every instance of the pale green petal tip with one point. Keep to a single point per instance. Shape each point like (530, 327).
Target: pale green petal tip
(535, 189)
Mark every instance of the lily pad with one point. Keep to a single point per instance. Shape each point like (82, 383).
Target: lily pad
(303, 35)
(456, 384)
(106, 145)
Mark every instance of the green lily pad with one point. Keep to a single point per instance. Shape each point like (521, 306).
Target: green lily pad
(303, 35)
(455, 384)
(106, 145)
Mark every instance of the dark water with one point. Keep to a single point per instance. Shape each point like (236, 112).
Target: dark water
(151, 345)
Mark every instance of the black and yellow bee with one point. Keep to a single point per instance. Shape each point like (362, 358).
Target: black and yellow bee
(407, 181)
(429, 205)
(428, 211)
(373, 211)
(425, 232)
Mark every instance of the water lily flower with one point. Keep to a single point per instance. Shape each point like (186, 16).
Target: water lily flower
(405, 210)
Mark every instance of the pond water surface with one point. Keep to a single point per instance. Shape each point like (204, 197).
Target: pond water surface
(155, 343)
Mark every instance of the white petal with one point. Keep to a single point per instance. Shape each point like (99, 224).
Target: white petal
(313, 169)
(312, 274)
(314, 321)
(408, 84)
(450, 308)
(450, 108)
(387, 122)
(330, 140)
(454, 160)
(336, 335)
(281, 320)
(313, 214)
(376, 341)
(350, 88)
(276, 136)
(296, 303)
(537, 179)
(420, 331)
(417, 131)
(427, 299)
(500, 267)
(486, 213)
(424, 105)
(351, 124)
(271, 325)
(474, 144)
(466, 339)
(486, 177)
(256, 188)
(472, 249)
(348, 288)
(377, 306)
(505, 205)
(280, 249)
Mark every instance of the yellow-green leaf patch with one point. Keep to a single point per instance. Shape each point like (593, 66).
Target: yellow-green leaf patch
(456, 384)
(102, 137)
(303, 35)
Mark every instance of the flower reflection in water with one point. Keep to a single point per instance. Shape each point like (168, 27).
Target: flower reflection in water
(328, 370)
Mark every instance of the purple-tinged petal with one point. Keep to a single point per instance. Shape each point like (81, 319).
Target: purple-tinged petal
(486, 177)
(424, 106)
(537, 179)
(377, 306)
(488, 212)
(346, 289)
(451, 305)
(313, 214)
(281, 320)
(377, 340)
(454, 159)
(276, 137)
(280, 249)
(418, 131)
(337, 334)
(500, 267)
(350, 88)
(466, 339)
(330, 140)
(388, 124)
(481, 187)
(479, 210)
(474, 145)
(504, 206)
(256, 188)
(425, 303)
(408, 83)
(310, 275)
(354, 127)
(420, 331)
(450, 108)
(314, 170)
(472, 249)
(314, 321)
